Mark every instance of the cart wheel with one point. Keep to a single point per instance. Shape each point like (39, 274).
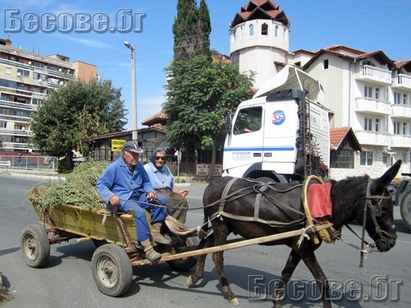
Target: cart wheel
(186, 263)
(112, 270)
(405, 208)
(35, 246)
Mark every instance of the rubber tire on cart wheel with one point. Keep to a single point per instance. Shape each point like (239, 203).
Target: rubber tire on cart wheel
(112, 270)
(186, 263)
(405, 208)
(35, 246)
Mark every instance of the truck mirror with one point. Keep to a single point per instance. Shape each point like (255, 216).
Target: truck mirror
(229, 123)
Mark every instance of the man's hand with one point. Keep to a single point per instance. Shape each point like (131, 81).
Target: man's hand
(114, 200)
(151, 196)
(184, 192)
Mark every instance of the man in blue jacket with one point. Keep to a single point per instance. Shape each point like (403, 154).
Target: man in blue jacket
(125, 185)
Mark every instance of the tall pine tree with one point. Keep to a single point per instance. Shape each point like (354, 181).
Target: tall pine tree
(204, 25)
(185, 30)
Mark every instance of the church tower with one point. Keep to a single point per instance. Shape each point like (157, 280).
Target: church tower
(260, 39)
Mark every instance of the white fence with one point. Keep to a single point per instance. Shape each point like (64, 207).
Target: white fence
(29, 162)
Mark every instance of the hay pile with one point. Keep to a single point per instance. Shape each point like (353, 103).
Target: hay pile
(78, 189)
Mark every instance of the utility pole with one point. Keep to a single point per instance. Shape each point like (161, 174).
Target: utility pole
(133, 92)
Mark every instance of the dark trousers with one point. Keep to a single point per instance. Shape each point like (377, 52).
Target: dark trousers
(177, 205)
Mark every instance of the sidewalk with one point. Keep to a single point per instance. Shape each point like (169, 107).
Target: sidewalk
(180, 182)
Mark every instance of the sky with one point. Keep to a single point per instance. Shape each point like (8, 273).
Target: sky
(366, 25)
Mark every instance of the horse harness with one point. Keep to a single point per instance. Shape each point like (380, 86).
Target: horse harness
(259, 189)
(329, 235)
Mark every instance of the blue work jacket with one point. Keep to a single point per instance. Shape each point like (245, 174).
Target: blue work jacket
(118, 179)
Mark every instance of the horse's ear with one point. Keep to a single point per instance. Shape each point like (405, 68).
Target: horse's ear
(389, 175)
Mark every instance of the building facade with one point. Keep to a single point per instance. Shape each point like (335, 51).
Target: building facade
(368, 93)
(26, 79)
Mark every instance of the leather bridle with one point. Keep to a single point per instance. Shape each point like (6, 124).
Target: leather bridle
(375, 211)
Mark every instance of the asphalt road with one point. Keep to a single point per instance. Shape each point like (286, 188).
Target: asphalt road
(66, 280)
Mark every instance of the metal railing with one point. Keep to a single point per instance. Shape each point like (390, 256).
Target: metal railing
(29, 162)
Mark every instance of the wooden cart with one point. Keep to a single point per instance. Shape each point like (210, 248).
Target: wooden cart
(117, 249)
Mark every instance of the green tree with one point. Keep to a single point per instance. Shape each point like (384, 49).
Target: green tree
(204, 30)
(199, 97)
(185, 30)
(72, 115)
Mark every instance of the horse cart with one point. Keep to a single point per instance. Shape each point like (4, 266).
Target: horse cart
(117, 250)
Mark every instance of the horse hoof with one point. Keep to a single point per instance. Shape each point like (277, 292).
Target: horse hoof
(190, 281)
(234, 301)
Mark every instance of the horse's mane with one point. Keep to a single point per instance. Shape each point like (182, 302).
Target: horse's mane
(349, 180)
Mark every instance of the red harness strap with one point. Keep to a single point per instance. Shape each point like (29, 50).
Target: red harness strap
(319, 200)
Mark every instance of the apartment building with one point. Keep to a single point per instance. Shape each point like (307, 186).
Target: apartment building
(26, 79)
(371, 94)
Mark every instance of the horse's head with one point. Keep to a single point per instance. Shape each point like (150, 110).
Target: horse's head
(380, 208)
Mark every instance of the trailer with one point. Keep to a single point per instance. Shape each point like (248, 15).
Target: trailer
(117, 250)
(401, 196)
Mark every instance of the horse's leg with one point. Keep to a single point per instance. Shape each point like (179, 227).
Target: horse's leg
(311, 262)
(220, 238)
(192, 279)
(290, 266)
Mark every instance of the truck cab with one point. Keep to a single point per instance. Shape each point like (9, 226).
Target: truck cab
(281, 133)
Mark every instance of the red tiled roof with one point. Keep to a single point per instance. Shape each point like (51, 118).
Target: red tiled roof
(406, 64)
(159, 117)
(260, 9)
(337, 135)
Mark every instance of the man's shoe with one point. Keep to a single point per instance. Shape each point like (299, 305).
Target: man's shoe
(153, 255)
(159, 238)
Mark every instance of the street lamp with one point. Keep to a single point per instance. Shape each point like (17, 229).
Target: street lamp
(133, 91)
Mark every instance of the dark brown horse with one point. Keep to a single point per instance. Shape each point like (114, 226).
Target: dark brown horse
(281, 207)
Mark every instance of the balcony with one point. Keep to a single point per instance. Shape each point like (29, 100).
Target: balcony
(373, 138)
(374, 75)
(402, 82)
(400, 141)
(401, 111)
(372, 106)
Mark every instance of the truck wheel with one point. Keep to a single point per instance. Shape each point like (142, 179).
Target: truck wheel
(405, 208)
(112, 270)
(35, 246)
(186, 263)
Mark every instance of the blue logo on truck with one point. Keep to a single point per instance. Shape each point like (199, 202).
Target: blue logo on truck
(278, 117)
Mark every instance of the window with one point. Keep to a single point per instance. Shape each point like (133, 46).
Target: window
(251, 29)
(367, 91)
(23, 73)
(397, 98)
(366, 158)
(368, 124)
(377, 93)
(325, 64)
(8, 70)
(36, 102)
(276, 31)
(404, 99)
(3, 124)
(264, 29)
(342, 159)
(248, 120)
(400, 128)
(372, 124)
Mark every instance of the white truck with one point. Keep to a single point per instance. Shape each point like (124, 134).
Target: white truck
(282, 133)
